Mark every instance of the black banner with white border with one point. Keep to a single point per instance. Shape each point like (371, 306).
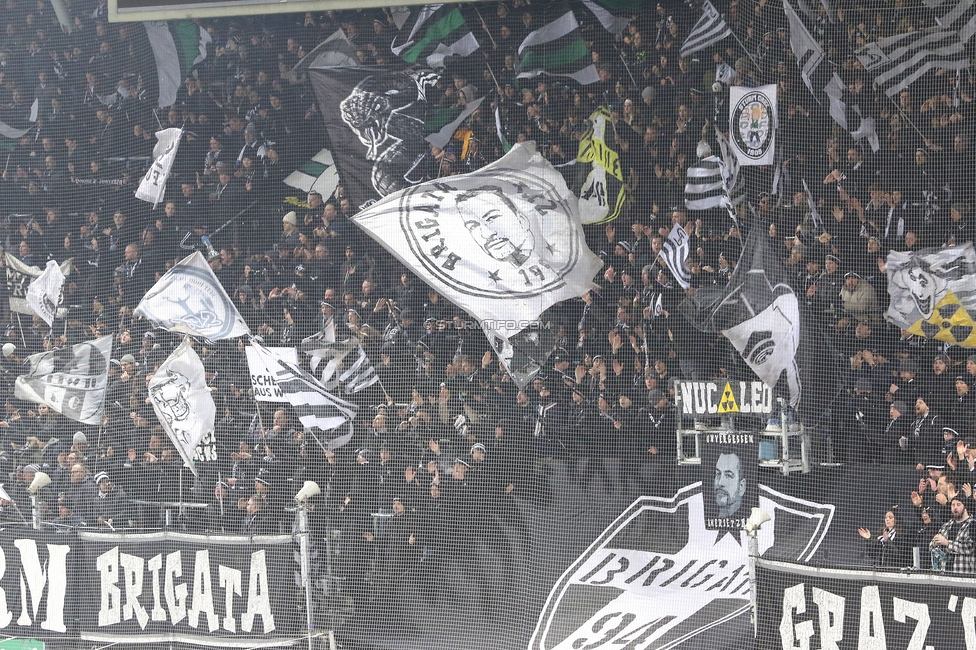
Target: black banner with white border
(148, 588)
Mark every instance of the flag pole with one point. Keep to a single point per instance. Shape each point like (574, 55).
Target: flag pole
(490, 37)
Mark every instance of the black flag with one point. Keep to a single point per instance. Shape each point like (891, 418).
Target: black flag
(766, 322)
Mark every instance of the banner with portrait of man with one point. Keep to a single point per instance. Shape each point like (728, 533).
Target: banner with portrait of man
(730, 462)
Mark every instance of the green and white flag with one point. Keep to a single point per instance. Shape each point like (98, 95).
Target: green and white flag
(439, 31)
(447, 121)
(317, 175)
(557, 49)
(177, 46)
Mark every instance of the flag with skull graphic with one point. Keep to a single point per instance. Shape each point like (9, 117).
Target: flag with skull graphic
(182, 401)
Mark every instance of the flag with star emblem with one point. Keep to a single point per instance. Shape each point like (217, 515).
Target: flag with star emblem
(504, 243)
(933, 293)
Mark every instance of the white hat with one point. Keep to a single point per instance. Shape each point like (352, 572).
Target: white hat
(8, 349)
(291, 218)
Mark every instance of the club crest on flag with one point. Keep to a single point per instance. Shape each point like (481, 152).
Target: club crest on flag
(752, 126)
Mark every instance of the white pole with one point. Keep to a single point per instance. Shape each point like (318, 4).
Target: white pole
(303, 541)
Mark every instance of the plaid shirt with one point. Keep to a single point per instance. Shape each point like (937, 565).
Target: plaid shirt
(962, 548)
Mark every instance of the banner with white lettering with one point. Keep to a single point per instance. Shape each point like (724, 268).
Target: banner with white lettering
(713, 399)
(178, 588)
(814, 607)
(730, 464)
(38, 598)
(263, 380)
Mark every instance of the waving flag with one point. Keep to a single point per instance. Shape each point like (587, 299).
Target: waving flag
(933, 293)
(898, 61)
(190, 299)
(761, 316)
(504, 243)
(440, 31)
(675, 253)
(176, 46)
(44, 293)
(317, 175)
(709, 30)
(182, 401)
(337, 373)
(314, 406)
(19, 278)
(152, 187)
(557, 49)
(604, 192)
(958, 14)
(71, 381)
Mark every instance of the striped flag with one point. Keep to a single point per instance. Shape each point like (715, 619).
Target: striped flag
(821, 80)
(177, 46)
(675, 253)
(714, 183)
(317, 175)
(439, 31)
(709, 30)
(314, 406)
(357, 377)
(898, 61)
(557, 49)
(959, 14)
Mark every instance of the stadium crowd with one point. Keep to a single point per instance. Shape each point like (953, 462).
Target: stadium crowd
(446, 445)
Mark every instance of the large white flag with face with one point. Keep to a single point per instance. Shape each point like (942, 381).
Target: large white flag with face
(153, 184)
(189, 299)
(182, 401)
(44, 293)
(71, 380)
(503, 243)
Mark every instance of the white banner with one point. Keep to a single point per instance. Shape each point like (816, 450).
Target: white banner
(182, 401)
(752, 124)
(263, 382)
(152, 187)
(44, 293)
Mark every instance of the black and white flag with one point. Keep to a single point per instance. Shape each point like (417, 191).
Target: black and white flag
(958, 14)
(710, 29)
(337, 372)
(898, 61)
(808, 52)
(71, 381)
(504, 243)
(933, 293)
(189, 299)
(675, 253)
(152, 187)
(182, 401)
(762, 317)
(314, 406)
(752, 124)
(19, 279)
(44, 293)
(714, 182)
